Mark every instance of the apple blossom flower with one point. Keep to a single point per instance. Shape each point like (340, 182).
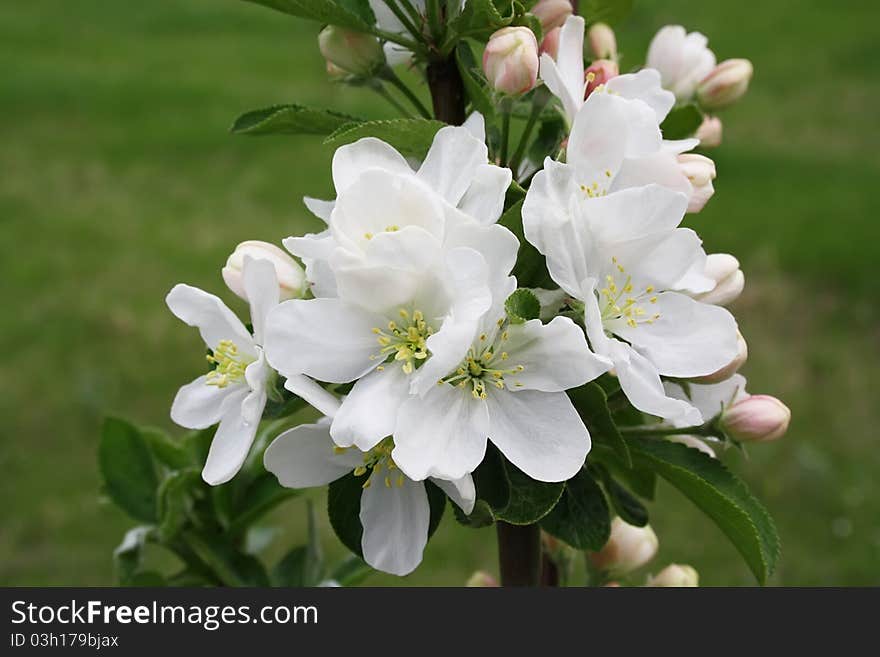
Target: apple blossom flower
(682, 59)
(551, 13)
(729, 279)
(599, 73)
(602, 42)
(675, 575)
(756, 418)
(726, 84)
(624, 256)
(290, 275)
(234, 392)
(394, 509)
(510, 60)
(510, 389)
(732, 367)
(710, 132)
(354, 52)
(700, 172)
(628, 549)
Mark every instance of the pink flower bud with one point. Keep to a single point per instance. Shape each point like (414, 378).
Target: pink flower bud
(603, 43)
(732, 367)
(756, 418)
(291, 278)
(550, 43)
(510, 60)
(700, 171)
(710, 131)
(726, 84)
(355, 52)
(675, 575)
(551, 13)
(481, 579)
(628, 548)
(729, 279)
(599, 73)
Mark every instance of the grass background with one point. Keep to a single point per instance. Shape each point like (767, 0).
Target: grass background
(118, 179)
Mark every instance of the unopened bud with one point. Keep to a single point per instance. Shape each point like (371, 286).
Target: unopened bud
(481, 579)
(354, 52)
(602, 42)
(551, 13)
(628, 548)
(510, 60)
(334, 71)
(726, 84)
(675, 575)
(742, 355)
(710, 131)
(550, 42)
(599, 73)
(724, 269)
(291, 278)
(756, 418)
(700, 171)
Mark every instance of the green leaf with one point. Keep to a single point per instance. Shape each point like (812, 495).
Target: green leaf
(531, 267)
(197, 443)
(147, 579)
(128, 470)
(290, 120)
(351, 571)
(522, 305)
(682, 122)
(640, 479)
(479, 18)
(720, 495)
(127, 555)
(166, 450)
(355, 14)
(625, 503)
(582, 518)
(550, 135)
(261, 496)
(591, 404)
(605, 11)
(474, 82)
(176, 501)
(530, 500)
(232, 568)
(409, 136)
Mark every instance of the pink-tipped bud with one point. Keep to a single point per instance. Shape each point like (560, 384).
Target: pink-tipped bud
(510, 60)
(729, 279)
(481, 579)
(628, 548)
(599, 73)
(551, 13)
(675, 575)
(710, 132)
(700, 171)
(732, 367)
(550, 43)
(757, 418)
(726, 84)
(354, 52)
(291, 278)
(602, 42)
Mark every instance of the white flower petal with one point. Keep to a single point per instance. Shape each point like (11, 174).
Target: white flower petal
(663, 260)
(547, 202)
(369, 412)
(314, 394)
(211, 316)
(461, 491)
(633, 213)
(320, 208)
(395, 521)
(709, 399)
(452, 162)
(559, 87)
(442, 434)
(658, 168)
(484, 199)
(198, 405)
(230, 446)
(555, 356)
(327, 339)
(476, 125)
(262, 290)
(688, 339)
(541, 433)
(352, 160)
(304, 457)
(644, 86)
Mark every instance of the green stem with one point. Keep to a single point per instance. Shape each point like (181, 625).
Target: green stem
(389, 75)
(539, 101)
(698, 430)
(409, 44)
(403, 18)
(382, 91)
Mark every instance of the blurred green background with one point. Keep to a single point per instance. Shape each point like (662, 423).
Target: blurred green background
(118, 178)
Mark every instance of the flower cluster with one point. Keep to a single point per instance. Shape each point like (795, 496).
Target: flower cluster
(410, 322)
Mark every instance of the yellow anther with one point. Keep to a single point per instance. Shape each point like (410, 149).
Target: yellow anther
(368, 236)
(403, 313)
